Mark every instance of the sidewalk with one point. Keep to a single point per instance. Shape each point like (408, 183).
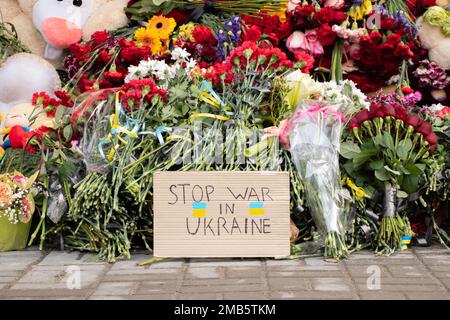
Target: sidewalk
(419, 273)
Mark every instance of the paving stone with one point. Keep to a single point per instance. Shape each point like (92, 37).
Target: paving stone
(362, 271)
(320, 262)
(127, 277)
(330, 284)
(304, 268)
(404, 288)
(304, 274)
(288, 284)
(407, 271)
(382, 295)
(160, 296)
(225, 263)
(57, 277)
(280, 263)
(7, 279)
(156, 287)
(221, 288)
(219, 282)
(398, 280)
(47, 293)
(245, 296)
(245, 272)
(143, 271)
(116, 288)
(312, 295)
(64, 258)
(204, 273)
(199, 296)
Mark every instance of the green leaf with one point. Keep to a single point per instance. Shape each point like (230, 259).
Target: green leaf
(388, 141)
(382, 174)
(349, 150)
(67, 132)
(403, 148)
(376, 164)
(410, 184)
(364, 156)
(414, 169)
(59, 114)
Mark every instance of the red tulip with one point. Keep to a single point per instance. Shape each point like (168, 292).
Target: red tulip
(354, 124)
(389, 111)
(16, 137)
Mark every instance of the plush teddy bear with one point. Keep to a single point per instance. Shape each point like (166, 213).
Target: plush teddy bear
(46, 27)
(433, 38)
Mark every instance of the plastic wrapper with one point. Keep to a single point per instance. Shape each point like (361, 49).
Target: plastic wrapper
(314, 134)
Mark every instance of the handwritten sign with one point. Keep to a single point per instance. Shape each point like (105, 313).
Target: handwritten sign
(221, 214)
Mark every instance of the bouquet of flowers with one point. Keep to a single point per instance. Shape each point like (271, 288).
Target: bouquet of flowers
(17, 206)
(314, 133)
(389, 151)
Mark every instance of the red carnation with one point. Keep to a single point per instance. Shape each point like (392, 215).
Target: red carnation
(114, 77)
(307, 58)
(388, 24)
(403, 51)
(386, 48)
(99, 37)
(204, 36)
(365, 40)
(252, 34)
(326, 35)
(393, 39)
(376, 36)
(339, 17)
(305, 10)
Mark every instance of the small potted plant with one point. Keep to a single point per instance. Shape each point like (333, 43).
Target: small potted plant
(17, 194)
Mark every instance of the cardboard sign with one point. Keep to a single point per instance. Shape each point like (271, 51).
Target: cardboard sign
(221, 214)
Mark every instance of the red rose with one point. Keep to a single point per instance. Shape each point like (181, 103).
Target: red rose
(204, 36)
(180, 17)
(413, 120)
(362, 116)
(326, 35)
(99, 37)
(354, 124)
(424, 128)
(363, 81)
(400, 113)
(431, 138)
(377, 110)
(388, 24)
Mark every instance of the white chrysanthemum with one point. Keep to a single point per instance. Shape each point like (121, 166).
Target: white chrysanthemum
(180, 54)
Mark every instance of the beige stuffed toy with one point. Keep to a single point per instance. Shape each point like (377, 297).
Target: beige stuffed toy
(46, 27)
(434, 40)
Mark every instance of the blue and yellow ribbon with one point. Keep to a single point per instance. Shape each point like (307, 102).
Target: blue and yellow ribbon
(404, 242)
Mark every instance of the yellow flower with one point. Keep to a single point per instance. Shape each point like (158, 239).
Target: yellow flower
(358, 12)
(282, 13)
(162, 26)
(359, 192)
(5, 194)
(185, 31)
(146, 37)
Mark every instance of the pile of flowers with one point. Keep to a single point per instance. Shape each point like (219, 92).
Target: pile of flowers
(356, 71)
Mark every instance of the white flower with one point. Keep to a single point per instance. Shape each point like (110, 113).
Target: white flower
(436, 107)
(180, 54)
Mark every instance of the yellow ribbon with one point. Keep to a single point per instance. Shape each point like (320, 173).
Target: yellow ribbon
(209, 115)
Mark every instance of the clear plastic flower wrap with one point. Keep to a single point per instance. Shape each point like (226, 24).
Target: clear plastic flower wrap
(314, 134)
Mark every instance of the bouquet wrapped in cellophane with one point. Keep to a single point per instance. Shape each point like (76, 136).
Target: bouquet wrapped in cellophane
(314, 133)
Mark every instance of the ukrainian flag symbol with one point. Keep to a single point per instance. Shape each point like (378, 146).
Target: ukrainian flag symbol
(256, 208)
(199, 209)
(405, 241)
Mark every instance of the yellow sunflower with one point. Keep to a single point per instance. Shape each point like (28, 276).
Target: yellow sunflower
(146, 37)
(162, 26)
